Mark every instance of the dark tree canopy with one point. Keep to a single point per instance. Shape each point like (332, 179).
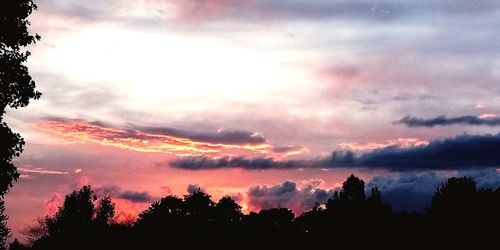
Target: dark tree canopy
(353, 189)
(228, 211)
(455, 197)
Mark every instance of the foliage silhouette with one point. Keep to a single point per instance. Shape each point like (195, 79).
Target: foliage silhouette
(4, 230)
(16, 85)
(105, 211)
(16, 90)
(350, 217)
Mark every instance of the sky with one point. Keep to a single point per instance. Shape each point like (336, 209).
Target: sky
(273, 102)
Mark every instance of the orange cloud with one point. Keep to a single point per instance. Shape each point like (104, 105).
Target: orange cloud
(141, 141)
(368, 146)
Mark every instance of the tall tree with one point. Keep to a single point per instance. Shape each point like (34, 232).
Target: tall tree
(16, 85)
(16, 89)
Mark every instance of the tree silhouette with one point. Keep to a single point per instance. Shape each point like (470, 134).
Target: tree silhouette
(353, 190)
(349, 218)
(75, 214)
(4, 230)
(16, 89)
(167, 210)
(198, 207)
(16, 245)
(16, 85)
(37, 231)
(454, 198)
(227, 211)
(105, 211)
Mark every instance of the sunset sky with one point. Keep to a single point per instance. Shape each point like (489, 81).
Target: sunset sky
(272, 102)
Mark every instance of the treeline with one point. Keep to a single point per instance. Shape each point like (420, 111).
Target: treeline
(460, 215)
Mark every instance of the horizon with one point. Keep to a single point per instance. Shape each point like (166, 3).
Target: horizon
(269, 102)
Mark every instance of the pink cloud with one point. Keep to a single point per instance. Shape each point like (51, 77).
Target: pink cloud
(52, 205)
(195, 11)
(166, 190)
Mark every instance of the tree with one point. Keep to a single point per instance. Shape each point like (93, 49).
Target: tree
(105, 211)
(168, 209)
(75, 214)
(16, 89)
(199, 207)
(37, 231)
(4, 230)
(227, 211)
(353, 189)
(456, 197)
(16, 245)
(16, 85)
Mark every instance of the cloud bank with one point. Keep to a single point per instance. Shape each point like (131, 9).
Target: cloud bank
(297, 196)
(460, 152)
(413, 191)
(445, 121)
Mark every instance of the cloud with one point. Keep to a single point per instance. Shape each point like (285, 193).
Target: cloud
(220, 136)
(205, 10)
(297, 196)
(43, 171)
(166, 190)
(444, 121)
(117, 192)
(284, 151)
(154, 12)
(161, 140)
(200, 163)
(399, 142)
(136, 196)
(408, 191)
(52, 205)
(414, 191)
(461, 152)
(193, 188)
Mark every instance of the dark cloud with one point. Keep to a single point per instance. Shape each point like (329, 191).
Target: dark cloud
(136, 196)
(461, 152)
(408, 191)
(414, 191)
(117, 192)
(444, 121)
(286, 149)
(220, 136)
(193, 188)
(199, 163)
(297, 196)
